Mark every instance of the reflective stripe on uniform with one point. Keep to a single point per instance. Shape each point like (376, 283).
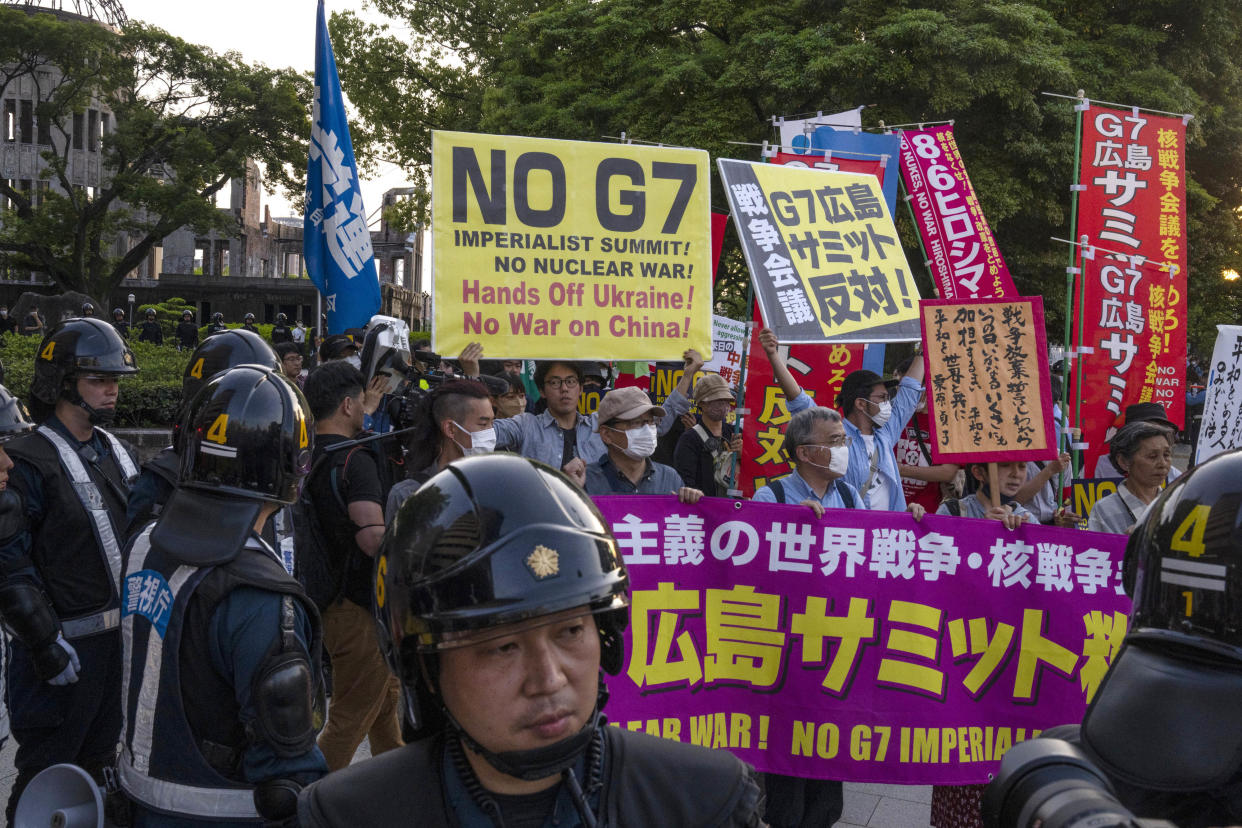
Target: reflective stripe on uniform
(121, 455)
(91, 624)
(91, 499)
(134, 765)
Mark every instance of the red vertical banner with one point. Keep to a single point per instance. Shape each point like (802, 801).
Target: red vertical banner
(1133, 307)
(819, 369)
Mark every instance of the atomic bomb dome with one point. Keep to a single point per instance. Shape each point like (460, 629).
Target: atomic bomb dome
(110, 12)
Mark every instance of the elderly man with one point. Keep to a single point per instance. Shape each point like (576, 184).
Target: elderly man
(626, 421)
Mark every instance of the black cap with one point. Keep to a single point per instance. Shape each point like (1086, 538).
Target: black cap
(335, 346)
(1149, 412)
(858, 384)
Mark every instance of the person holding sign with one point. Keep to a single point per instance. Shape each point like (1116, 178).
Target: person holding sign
(1143, 452)
(1010, 477)
(560, 436)
(816, 442)
(874, 422)
(706, 453)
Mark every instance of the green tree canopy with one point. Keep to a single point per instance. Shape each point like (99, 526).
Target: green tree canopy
(185, 122)
(710, 72)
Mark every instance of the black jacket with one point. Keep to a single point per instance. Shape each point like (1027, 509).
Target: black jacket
(646, 781)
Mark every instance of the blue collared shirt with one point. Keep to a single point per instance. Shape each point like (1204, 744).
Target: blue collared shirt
(798, 490)
(538, 437)
(904, 403)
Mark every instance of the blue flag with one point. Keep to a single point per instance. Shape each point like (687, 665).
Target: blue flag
(335, 238)
(866, 144)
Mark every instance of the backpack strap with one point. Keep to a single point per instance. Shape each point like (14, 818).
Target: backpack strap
(954, 507)
(778, 489)
(843, 489)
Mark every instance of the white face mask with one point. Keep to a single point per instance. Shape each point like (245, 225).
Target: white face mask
(838, 462)
(481, 442)
(881, 417)
(355, 361)
(641, 442)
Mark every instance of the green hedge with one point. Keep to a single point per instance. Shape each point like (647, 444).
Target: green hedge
(148, 399)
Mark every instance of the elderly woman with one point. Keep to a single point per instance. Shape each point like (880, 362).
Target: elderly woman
(1143, 452)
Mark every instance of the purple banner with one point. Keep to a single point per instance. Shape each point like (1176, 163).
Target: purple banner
(964, 259)
(863, 646)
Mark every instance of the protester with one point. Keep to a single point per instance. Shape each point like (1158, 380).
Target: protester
(512, 402)
(1143, 452)
(7, 323)
(291, 362)
(922, 481)
(1038, 494)
(151, 330)
(1139, 412)
(456, 422)
(348, 494)
(60, 556)
(817, 445)
(281, 331)
(707, 455)
(220, 642)
(32, 325)
(874, 421)
(217, 324)
(1010, 476)
(560, 436)
(502, 660)
(626, 422)
(339, 346)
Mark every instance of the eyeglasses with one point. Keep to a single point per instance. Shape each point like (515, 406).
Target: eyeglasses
(832, 443)
(556, 383)
(630, 425)
(880, 400)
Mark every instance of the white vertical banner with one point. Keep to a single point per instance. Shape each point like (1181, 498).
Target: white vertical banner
(1221, 429)
(726, 359)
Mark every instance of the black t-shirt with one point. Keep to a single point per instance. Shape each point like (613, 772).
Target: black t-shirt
(357, 479)
(527, 810)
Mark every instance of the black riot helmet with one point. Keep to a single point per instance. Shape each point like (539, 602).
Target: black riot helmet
(488, 542)
(247, 434)
(74, 348)
(281, 319)
(150, 313)
(1184, 561)
(118, 313)
(1166, 715)
(249, 317)
(187, 315)
(88, 309)
(218, 318)
(14, 419)
(222, 351)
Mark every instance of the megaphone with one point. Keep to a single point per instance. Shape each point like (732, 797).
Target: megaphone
(63, 796)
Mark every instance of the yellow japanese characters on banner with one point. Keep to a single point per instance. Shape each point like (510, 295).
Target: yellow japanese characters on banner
(546, 248)
(823, 253)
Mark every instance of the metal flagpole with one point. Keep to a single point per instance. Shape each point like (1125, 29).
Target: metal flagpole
(1075, 254)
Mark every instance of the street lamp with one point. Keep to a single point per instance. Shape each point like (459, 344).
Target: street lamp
(131, 308)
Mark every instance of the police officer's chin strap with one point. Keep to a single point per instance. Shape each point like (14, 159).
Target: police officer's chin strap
(560, 757)
(97, 416)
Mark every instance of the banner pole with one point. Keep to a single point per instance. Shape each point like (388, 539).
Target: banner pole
(740, 399)
(1069, 309)
(906, 197)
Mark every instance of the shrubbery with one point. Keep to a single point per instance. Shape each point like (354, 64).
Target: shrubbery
(148, 399)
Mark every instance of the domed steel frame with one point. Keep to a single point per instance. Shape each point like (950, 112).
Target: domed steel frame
(105, 11)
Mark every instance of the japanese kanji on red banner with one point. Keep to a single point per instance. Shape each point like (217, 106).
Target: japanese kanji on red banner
(819, 369)
(1130, 310)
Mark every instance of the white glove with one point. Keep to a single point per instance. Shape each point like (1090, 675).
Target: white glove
(69, 675)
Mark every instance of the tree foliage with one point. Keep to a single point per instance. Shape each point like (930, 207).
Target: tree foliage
(705, 73)
(185, 122)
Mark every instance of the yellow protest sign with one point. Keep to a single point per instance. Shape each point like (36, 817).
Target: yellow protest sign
(823, 253)
(547, 248)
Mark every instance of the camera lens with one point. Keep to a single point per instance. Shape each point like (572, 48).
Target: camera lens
(1050, 783)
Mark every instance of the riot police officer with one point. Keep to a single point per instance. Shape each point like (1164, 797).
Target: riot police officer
(1165, 726)
(281, 332)
(503, 594)
(60, 556)
(150, 331)
(248, 323)
(88, 309)
(220, 642)
(187, 331)
(217, 324)
(159, 474)
(120, 323)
